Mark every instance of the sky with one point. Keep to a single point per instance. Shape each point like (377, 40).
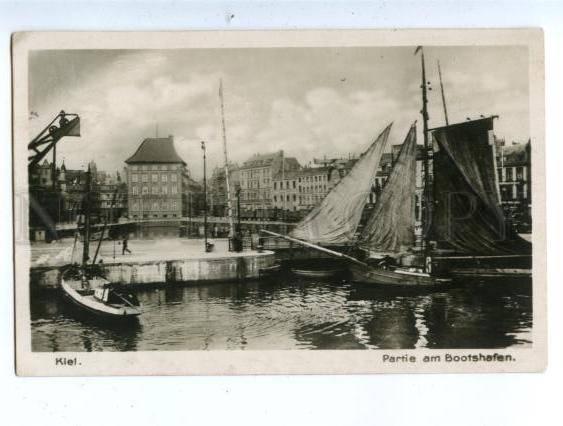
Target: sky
(310, 102)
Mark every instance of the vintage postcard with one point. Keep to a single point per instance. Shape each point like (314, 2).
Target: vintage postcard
(279, 202)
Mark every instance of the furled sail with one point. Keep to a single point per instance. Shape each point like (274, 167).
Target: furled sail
(390, 227)
(467, 215)
(335, 219)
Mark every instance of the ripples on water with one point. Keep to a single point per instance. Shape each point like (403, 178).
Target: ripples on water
(296, 314)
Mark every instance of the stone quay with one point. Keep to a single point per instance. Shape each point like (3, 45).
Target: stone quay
(163, 261)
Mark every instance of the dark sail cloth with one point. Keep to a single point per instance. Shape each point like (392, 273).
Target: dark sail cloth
(390, 227)
(467, 215)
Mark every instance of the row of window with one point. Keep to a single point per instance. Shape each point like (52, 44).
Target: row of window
(511, 174)
(312, 188)
(251, 174)
(308, 179)
(164, 167)
(155, 190)
(155, 206)
(255, 195)
(310, 199)
(146, 216)
(513, 192)
(144, 177)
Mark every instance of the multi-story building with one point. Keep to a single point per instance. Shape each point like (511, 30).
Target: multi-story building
(286, 191)
(256, 179)
(314, 184)
(217, 190)
(514, 175)
(159, 183)
(112, 196)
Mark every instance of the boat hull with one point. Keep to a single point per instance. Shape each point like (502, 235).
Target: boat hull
(317, 273)
(95, 307)
(392, 278)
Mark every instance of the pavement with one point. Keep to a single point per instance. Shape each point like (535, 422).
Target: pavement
(59, 253)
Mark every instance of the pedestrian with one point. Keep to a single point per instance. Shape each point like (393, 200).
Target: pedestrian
(125, 248)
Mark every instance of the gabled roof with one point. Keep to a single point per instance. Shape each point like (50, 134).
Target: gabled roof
(156, 150)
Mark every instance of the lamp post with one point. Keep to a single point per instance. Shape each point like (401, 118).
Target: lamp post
(204, 197)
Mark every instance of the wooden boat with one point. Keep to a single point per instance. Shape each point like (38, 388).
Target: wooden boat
(317, 272)
(463, 226)
(85, 286)
(99, 297)
(407, 277)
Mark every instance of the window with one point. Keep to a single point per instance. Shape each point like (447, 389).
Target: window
(155, 190)
(164, 178)
(155, 167)
(174, 178)
(135, 206)
(165, 190)
(145, 190)
(134, 177)
(154, 177)
(145, 167)
(275, 185)
(135, 190)
(293, 184)
(155, 206)
(294, 197)
(145, 178)
(174, 189)
(519, 173)
(174, 205)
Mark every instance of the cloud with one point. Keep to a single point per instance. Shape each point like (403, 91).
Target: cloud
(122, 95)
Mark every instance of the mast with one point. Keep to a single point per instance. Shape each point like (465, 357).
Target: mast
(427, 212)
(86, 211)
(443, 96)
(204, 197)
(229, 204)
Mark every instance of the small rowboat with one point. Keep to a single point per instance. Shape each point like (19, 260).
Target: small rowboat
(317, 272)
(99, 297)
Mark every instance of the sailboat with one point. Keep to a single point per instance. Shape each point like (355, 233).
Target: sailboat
(387, 245)
(469, 229)
(85, 286)
(335, 220)
(463, 227)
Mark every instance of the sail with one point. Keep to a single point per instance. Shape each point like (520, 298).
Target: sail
(335, 219)
(467, 215)
(390, 227)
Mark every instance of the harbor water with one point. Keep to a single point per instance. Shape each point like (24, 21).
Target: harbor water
(295, 313)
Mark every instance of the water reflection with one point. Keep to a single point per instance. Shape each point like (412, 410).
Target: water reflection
(296, 314)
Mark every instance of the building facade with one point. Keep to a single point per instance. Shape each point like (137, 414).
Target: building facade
(256, 179)
(159, 185)
(217, 190)
(514, 175)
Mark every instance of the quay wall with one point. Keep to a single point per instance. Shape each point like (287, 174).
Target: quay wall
(213, 269)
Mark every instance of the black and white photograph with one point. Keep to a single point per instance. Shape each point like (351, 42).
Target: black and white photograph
(376, 197)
